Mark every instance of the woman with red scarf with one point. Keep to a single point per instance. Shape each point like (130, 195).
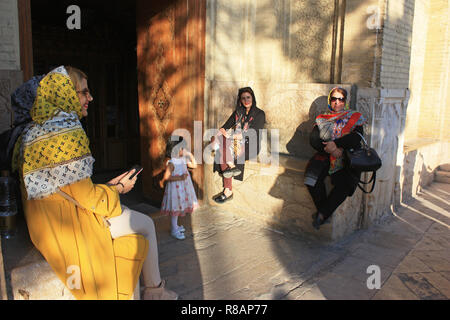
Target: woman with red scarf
(333, 133)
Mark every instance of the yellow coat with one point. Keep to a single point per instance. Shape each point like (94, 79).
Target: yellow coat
(77, 241)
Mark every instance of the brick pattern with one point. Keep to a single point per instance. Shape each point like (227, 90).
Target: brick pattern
(397, 35)
(435, 109)
(9, 35)
(418, 51)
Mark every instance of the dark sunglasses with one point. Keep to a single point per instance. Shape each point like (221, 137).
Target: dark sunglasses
(336, 98)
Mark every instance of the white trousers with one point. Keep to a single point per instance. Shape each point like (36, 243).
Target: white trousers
(134, 222)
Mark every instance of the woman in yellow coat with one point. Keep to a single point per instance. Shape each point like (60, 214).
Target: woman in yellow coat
(96, 246)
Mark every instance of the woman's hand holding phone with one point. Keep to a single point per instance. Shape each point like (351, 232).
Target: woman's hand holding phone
(126, 181)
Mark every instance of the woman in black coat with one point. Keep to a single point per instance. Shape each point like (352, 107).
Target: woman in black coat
(335, 131)
(238, 141)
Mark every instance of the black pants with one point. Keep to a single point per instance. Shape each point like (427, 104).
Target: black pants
(344, 185)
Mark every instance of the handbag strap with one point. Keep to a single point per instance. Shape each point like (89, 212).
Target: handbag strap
(366, 145)
(372, 179)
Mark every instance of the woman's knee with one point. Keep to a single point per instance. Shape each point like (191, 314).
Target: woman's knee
(144, 223)
(138, 222)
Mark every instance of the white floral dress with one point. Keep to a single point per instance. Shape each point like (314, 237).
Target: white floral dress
(179, 196)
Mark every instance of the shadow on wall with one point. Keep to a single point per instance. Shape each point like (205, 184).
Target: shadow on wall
(412, 184)
(299, 145)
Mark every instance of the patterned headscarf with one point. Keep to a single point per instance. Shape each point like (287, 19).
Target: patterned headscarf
(54, 150)
(333, 125)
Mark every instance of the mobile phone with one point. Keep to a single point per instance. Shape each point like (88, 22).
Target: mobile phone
(138, 170)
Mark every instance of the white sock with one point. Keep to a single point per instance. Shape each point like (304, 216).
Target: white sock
(174, 224)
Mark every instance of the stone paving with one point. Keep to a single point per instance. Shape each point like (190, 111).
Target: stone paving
(225, 256)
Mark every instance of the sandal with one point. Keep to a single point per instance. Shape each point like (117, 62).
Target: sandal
(159, 293)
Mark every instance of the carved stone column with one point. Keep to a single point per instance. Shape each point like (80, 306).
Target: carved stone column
(385, 110)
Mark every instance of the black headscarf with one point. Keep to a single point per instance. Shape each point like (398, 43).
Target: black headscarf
(241, 91)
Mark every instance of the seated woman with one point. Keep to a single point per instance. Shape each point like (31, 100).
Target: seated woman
(334, 132)
(234, 139)
(96, 246)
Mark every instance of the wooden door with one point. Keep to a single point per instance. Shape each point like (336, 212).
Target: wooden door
(171, 75)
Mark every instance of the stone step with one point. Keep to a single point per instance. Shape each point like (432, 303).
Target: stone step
(442, 176)
(37, 281)
(277, 197)
(444, 167)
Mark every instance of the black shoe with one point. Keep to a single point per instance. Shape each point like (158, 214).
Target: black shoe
(217, 195)
(223, 198)
(231, 172)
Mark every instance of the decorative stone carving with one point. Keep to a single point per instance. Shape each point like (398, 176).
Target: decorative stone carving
(386, 112)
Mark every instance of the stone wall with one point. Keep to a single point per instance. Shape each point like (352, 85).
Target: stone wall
(290, 109)
(10, 74)
(418, 51)
(361, 43)
(396, 48)
(434, 106)
(269, 40)
(9, 35)
(9, 81)
(389, 54)
(421, 159)
(428, 111)
(291, 53)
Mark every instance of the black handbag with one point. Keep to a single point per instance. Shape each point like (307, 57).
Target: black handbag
(364, 159)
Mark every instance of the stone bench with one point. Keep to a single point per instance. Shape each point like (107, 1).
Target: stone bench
(37, 281)
(277, 197)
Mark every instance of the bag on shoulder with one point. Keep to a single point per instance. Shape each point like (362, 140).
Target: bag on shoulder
(364, 159)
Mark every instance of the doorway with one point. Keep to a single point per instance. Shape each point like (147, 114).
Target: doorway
(146, 66)
(171, 82)
(105, 48)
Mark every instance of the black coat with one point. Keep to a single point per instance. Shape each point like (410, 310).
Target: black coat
(320, 161)
(256, 120)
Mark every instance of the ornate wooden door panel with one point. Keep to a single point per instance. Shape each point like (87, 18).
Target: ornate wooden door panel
(171, 54)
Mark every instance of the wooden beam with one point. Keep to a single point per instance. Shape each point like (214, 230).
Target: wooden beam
(26, 39)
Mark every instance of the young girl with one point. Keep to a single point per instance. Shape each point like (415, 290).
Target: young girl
(179, 195)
